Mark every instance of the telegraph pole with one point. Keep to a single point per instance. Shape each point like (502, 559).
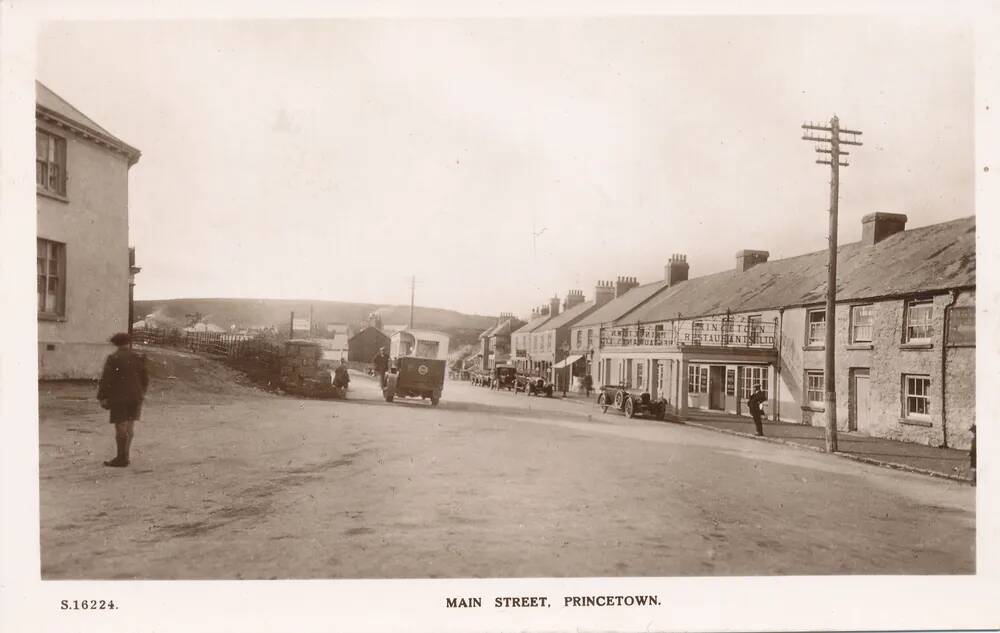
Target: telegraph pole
(835, 153)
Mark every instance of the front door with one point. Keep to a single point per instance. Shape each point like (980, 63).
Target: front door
(717, 387)
(860, 421)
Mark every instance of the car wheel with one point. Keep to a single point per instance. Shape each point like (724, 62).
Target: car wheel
(629, 408)
(619, 400)
(602, 401)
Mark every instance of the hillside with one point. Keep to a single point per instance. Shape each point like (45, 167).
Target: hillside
(276, 312)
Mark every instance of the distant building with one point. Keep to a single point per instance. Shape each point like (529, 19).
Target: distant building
(84, 266)
(495, 342)
(363, 346)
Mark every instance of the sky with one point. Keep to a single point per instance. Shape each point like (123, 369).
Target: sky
(504, 161)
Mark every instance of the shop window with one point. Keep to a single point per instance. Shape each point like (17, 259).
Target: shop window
(753, 376)
(916, 397)
(919, 325)
(639, 383)
(730, 382)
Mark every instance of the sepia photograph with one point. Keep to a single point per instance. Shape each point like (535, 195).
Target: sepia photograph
(457, 297)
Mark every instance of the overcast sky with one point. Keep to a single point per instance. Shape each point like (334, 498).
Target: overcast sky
(502, 161)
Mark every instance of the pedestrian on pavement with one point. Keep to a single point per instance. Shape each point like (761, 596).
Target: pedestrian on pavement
(381, 365)
(340, 376)
(588, 383)
(121, 391)
(757, 398)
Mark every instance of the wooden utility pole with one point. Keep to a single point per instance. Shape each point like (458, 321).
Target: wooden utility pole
(413, 286)
(291, 326)
(829, 373)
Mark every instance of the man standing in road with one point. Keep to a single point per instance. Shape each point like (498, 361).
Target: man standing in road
(381, 364)
(121, 391)
(757, 398)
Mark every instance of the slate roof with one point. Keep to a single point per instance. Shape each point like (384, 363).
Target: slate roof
(624, 304)
(532, 325)
(505, 328)
(48, 100)
(928, 259)
(568, 317)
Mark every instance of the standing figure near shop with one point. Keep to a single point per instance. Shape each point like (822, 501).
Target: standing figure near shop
(381, 365)
(757, 399)
(121, 391)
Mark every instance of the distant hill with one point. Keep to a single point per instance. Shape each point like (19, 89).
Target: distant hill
(243, 313)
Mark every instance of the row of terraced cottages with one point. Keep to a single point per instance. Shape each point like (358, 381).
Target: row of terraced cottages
(905, 332)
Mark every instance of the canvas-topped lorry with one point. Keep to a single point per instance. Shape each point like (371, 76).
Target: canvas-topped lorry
(413, 377)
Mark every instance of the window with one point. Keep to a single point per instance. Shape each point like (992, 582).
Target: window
(816, 327)
(51, 263)
(916, 397)
(815, 388)
(50, 162)
(730, 382)
(919, 327)
(754, 376)
(590, 338)
(579, 339)
(861, 324)
(660, 370)
(697, 379)
(658, 334)
(754, 328)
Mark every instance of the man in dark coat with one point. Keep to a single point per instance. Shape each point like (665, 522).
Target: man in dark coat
(757, 398)
(340, 376)
(122, 389)
(381, 365)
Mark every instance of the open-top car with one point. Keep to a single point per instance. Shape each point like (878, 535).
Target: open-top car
(504, 377)
(631, 402)
(533, 385)
(412, 377)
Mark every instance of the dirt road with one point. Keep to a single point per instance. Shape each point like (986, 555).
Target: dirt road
(230, 482)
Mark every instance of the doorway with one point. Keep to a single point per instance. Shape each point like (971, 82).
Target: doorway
(717, 387)
(861, 408)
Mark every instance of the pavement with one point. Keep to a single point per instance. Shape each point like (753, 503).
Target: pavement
(929, 460)
(230, 482)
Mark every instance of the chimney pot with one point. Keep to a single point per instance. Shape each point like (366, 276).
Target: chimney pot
(876, 227)
(676, 270)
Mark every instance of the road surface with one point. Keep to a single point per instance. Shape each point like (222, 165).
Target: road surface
(231, 482)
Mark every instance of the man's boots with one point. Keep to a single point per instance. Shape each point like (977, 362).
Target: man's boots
(121, 460)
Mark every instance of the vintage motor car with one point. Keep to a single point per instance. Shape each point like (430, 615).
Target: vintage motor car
(504, 377)
(412, 377)
(631, 402)
(534, 385)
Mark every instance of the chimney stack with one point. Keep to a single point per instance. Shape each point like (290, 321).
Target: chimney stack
(604, 291)
(624, 284)
(875, 227)
(747, 259)
(554, 306)
(676, 269)
(573, 299)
